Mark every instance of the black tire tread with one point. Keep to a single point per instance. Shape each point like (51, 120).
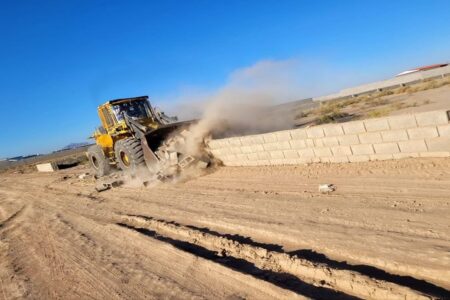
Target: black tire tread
(104, 167)
(134, 151)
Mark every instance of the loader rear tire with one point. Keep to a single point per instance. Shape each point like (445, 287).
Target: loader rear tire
(129, 155)
(99, 163)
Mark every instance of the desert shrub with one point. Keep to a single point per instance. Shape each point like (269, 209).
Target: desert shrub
(379, 113)
(330, 114)
(302, 114)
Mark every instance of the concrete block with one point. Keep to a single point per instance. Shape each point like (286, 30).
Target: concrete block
(257, 148)
(318, 143)
(298, 134)
(285, 145)
(370, 138)
(429, 118)
(325, 159)
(362, 149)
(283, 135)
(277, 162)
(435, 154)
(444, 130)
(264, 162)
(277, 146)
(394, 135)
(235, 141)
(353, 127)
(440, 144)
(270, 146)
(381, 156)
(339, 159)
(263, 155)
(246, 140)
(246, 149)
(405, 155)
(253, 156)
(341, 150)
(386, 148)
(276, 154)
(242, 157)
(413, 146)
(235, 150)
(315, 132)
(306, 153)
(345, 140)
(330, 141)
(229, 142)
(252, 163)
(215, 144)
(402, 122)
(229, 157)
(257, 139)
(376, 124)
(304, 160)
(223, 151)
(322, 151)
(297, 161)
(333, 130)
(215, 152)
(315, 159)
(290, 154)
(291, 161)
(270, 138)
(309, 143)
(298, 144)
(251, 140)
(358, 158)
(47, 167)
(422, 133)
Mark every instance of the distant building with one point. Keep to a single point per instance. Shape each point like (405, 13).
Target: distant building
(424, 68)
(17, 158)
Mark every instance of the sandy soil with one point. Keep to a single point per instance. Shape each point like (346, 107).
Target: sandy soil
(237, 233)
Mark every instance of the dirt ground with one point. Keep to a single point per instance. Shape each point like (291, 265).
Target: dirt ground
(237, 233)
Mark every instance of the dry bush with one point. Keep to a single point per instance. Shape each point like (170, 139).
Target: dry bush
(385, 93)
(427, 84)
(376, 102)
(302, 114)
(379, 113)
(330, 113)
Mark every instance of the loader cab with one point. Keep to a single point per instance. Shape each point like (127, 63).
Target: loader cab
(137, 110)
(112, 113)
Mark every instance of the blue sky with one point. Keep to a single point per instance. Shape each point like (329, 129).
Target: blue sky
(60, 59)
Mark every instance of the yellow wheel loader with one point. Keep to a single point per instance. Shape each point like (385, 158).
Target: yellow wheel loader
(133, 136)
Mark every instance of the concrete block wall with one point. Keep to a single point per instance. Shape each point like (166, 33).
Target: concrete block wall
(414, 135)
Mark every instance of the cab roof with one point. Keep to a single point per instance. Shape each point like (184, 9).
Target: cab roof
(121, 100)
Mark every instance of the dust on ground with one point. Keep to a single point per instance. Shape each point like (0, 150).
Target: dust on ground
(237, 233)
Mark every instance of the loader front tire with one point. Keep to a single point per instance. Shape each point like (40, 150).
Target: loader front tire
(99, 163)
(129, 155)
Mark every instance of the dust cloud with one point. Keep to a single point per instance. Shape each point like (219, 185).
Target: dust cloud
(244, 105)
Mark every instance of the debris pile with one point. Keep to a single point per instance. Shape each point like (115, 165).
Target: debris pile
(327, 188)
(175, 156)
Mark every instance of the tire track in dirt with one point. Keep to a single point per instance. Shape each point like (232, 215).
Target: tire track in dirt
(8, 222)
(317, 274)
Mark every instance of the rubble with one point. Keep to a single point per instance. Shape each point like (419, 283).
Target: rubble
(103, 186)
(83, 176)
(326, 188)
(47, 167)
